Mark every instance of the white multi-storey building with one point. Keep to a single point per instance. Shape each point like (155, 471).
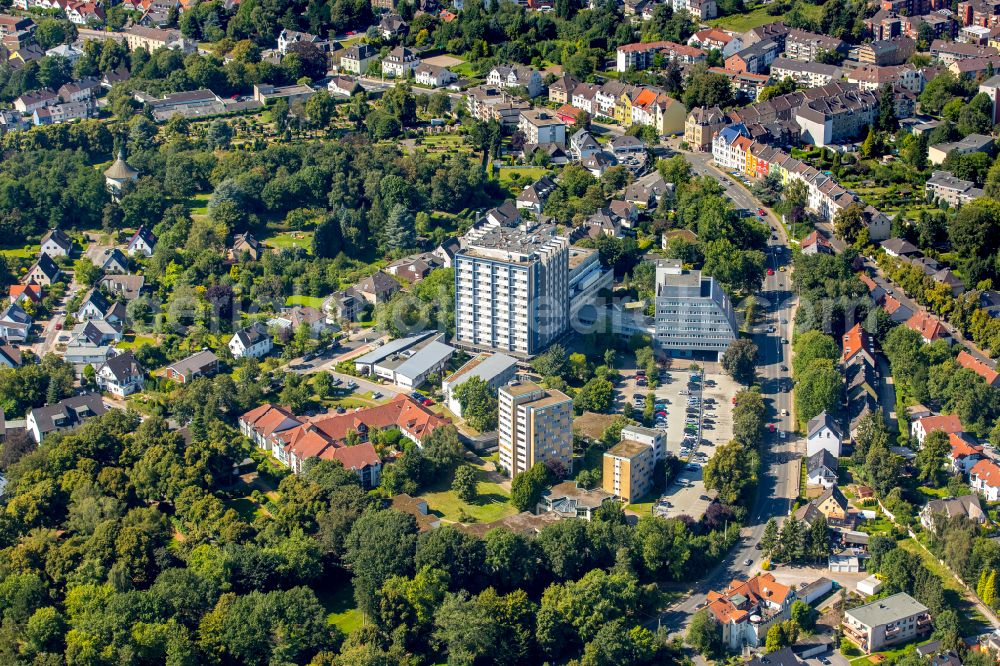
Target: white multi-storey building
(693, 312)
(534, 425)
(511, 286)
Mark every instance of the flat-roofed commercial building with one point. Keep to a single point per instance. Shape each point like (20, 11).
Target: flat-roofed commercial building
(693, 311)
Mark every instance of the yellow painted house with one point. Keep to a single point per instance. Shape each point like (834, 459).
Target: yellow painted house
(623, 109)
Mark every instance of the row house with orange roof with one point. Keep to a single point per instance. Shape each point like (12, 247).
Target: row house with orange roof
(965, 454)
(734, 149)
(747, 609)
(928, 326)
(293, 440)
(950, 424)
(985, 370)
(984, 477)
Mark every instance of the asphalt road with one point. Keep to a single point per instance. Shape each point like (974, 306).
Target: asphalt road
(778, 485)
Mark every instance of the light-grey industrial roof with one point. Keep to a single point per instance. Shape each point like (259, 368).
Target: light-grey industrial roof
(424, 359)
(888, 610)
(486, 369)
(392, 347)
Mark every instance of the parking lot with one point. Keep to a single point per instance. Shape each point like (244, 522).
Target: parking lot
(698, 417)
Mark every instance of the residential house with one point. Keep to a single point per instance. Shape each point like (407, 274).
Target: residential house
(898, 247)
(928, 326)
(108, 259)
(288, 37)
(886, 623)
(377, 288)
(746, 610)
(344, 305)
(400, 61)
(568, 500)
(128, 287)
(944, 186)
(15, 324)
(807, 74)
(121, 375)
(985, 370)
(754, 59)
(292, 318)
(823, 434)
(875, 77)
(542, 127)
(814, 243)
(36, 99)
(947, 423)
(583, 145)
(10, 357)
(972, 143)
(252, 341)
(96, 305)
(344, 86)
(43, 272)
(967, 506)
(701, 125)
(951, 52)
(534, 196)
(562, 90)
(516, 76)
(142, 242)
(821, 469)
(964, 453)
(858, 342)
(91, 343)
(151, 39)
(81, 90)
(200, 364)
(809, 46)
(832, 505)
(63, 415)
(245, 246)
(882, 52)
(984, 477)
(716, 39)
(19, 293)
(392, 26)
(56, 244)
(433, 76)
(357, 58)
(641, 55)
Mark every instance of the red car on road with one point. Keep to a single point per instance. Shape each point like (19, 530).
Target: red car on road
(770, 271)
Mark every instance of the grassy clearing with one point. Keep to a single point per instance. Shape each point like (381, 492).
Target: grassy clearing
(507, 175)
(336, 594)
(759, 17)
(288, 240)
(491, 504)
(310, 301)
(27, 252)
(133, 341)
(197, 205)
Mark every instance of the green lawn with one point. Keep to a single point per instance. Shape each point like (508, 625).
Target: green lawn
(491, 505)
(531, 173)
(336, 593)
(131, 341)
(758, 17)
(290, 239)
(20, 253)
(310, 301)
(247, 508)
(197, 204)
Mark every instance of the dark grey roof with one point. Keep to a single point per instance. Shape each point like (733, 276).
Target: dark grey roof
(59, 237)
(820, 459)
(251, 335)
(782, 657)
(48, 266)
(123, 366)
(69, 412)
(196, 362)
(819, 421)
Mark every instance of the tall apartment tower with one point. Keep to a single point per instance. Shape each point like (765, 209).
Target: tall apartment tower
(535, 425)
(693, 312)
(511, 286)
